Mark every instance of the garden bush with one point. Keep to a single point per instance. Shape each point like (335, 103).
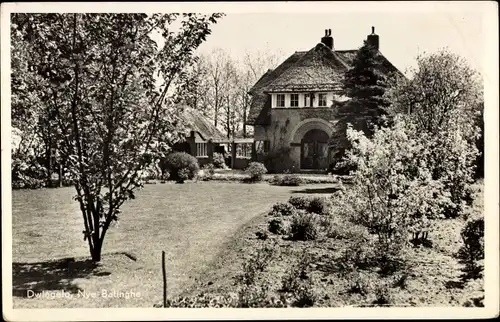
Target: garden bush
(304, 226)
(208, 171)
(256, 170)
(286, 180)
(27, 172)
(180, 166)
(472, 250)
(278, 226)
(318, 205)
(281, 209)
(299, 202)
(218, 160)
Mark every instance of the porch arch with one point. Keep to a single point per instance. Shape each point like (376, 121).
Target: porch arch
(310, 124)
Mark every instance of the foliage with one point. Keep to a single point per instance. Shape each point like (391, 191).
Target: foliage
(358, 255)
(298, 284)
(94, 76)
(318, 205)
(282, 209)
(262, 235)
(359, 283)
(185, 174)
(382, 295)
(180, 166)
(366, 83)
(256, 170)
(218, 160)
(480, 143)
(472, 250)
(442, 98)
(254, 296)
(444, 92)
(278, 226)
(202, 300)
(299, 202)
(257, 262)
(304, 226)
(341, 228)
(27, 172)
(274, 159)
(392, 189)
(208, 171)
(286, 180)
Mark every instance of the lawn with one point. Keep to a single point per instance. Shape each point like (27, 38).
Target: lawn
(193, 223)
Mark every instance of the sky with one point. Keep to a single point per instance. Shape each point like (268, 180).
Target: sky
(403, 35)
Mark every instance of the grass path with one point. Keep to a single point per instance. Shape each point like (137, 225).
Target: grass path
(191, 222)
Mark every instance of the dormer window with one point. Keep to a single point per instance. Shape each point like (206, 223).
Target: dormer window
(294, 100)
(280, 100)
(322, 99)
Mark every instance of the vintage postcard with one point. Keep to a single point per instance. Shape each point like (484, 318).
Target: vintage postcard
(249, 160)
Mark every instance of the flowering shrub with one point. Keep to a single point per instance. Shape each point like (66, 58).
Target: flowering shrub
(256, 170)
(392, 189)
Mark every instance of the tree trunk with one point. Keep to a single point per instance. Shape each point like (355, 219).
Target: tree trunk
(60, 175)
(49, 165)
(245, 102)
(96, 253)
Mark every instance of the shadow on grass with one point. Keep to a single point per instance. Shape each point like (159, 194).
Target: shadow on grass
(54, 275)
(317, 190)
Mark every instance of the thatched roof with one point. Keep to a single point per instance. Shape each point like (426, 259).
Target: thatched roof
(319, 69)
(197, 122)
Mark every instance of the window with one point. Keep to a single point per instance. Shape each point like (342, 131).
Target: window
(321, 99)
(294, 100)
(262, 147)
(280, 100)
(243, 150)
(201, 150)
(307, 100)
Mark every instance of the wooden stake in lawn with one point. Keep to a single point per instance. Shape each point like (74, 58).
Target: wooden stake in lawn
(164, 278)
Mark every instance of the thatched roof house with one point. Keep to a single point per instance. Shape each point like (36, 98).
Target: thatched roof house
(297, 108)
(195, 121)
(319, 69)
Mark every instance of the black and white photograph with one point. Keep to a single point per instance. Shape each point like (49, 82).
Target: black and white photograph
(337, 158)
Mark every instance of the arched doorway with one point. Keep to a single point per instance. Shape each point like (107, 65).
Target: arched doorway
(314, 150)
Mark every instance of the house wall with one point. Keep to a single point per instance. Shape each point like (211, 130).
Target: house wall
(285, 131)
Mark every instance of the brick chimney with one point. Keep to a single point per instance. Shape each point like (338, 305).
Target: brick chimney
(327, 39)
(373, 39)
